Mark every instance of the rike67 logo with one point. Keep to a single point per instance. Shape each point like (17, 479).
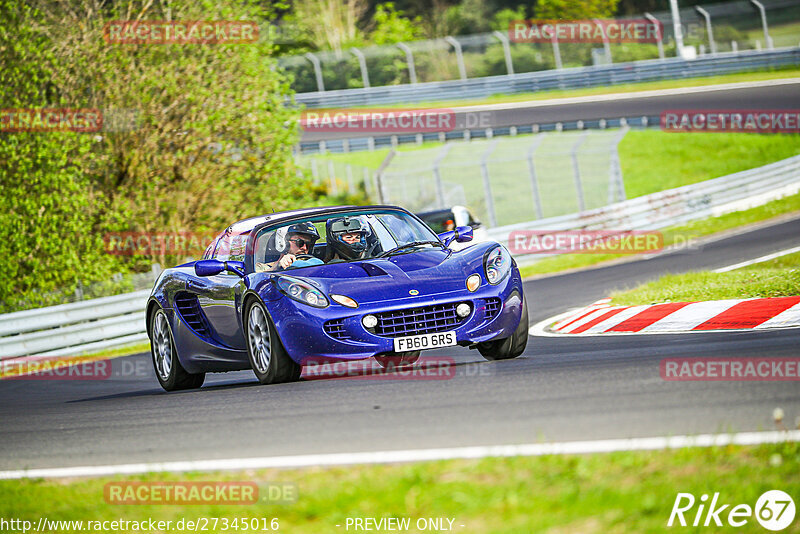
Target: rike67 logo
(774, 510)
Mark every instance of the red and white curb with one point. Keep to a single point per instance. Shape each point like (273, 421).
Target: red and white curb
(603, 318)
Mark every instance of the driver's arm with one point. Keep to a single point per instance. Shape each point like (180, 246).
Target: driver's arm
(285, 261)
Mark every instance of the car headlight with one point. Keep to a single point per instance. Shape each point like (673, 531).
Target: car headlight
(302, 291)
(497, 264)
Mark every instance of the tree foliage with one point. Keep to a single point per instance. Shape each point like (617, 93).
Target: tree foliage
(575, 9)
(209, 140)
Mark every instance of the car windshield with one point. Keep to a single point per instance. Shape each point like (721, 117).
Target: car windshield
(341, 237)
(439, 221)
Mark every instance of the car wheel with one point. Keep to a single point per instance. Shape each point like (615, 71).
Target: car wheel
(510, 347)
(268, 358)
(169, 371)
(398, 360)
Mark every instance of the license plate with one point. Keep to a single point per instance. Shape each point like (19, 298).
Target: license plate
(424, 341)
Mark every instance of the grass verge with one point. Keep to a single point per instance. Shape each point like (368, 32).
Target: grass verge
(672, 236)
(776, 74)
(779, 277)
(614, 492)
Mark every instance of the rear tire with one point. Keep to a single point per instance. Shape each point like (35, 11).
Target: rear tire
(169, 371)
(510, 347)
(268, 358)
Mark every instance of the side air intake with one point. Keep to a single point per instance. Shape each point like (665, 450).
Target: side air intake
(189, 309)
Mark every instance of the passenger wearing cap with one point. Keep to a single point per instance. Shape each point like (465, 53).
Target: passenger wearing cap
(347, 239)
(291, 241)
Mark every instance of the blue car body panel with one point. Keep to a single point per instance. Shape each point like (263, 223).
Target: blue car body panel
(206, 313)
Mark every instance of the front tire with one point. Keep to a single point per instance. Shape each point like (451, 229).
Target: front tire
(268, 358)
(169, 371)
(510, 347)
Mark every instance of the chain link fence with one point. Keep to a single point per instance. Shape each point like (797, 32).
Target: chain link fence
(511, 179)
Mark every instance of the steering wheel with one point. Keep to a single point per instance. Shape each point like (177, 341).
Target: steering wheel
(303, 256)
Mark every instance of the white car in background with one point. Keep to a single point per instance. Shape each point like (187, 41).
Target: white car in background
(450, 218)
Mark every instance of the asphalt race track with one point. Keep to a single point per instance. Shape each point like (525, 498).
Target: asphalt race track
(778, 96)
(561, 389)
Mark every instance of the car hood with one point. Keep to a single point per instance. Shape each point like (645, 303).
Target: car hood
(428, 272)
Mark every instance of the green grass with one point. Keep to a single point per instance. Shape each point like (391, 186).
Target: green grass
(782, 34)
(616, 492)
(653, 160)
(775, 278)
(787, 72)
(678, 234)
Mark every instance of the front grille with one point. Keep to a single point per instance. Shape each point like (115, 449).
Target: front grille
(335, 329)
(414, 321)
(190, 310)
(492, 308)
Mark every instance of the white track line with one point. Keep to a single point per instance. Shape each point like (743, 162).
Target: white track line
(381, 457)
(757, 260)
(624, 96)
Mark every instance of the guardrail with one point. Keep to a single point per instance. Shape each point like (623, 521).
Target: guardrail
(355, 144)
(108, 322)
(709, 198)
(568, 78)
(69, 329)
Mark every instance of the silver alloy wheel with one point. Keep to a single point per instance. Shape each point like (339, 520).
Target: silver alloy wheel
(258, 334)
(162, 345)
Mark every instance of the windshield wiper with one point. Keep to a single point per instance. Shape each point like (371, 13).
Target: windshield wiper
(408, 245)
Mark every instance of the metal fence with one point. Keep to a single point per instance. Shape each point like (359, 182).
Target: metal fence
(509, 179)
(70, 329)
(730, 26)
(567, 78)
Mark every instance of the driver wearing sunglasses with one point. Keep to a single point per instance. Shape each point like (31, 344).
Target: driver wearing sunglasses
(300, 239)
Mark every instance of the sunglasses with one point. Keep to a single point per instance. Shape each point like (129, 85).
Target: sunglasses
(301, 242)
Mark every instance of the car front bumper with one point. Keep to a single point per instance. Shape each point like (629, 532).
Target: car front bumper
(302, 332)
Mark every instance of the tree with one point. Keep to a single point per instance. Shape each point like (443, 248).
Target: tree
(575, 9)
(211, 142)
(391, 26)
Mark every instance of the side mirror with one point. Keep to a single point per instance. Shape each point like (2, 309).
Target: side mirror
(215, 267)
(462, 234)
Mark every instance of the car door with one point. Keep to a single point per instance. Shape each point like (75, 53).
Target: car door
(220, 297)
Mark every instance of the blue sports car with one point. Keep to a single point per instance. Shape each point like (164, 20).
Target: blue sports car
(330, 284)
